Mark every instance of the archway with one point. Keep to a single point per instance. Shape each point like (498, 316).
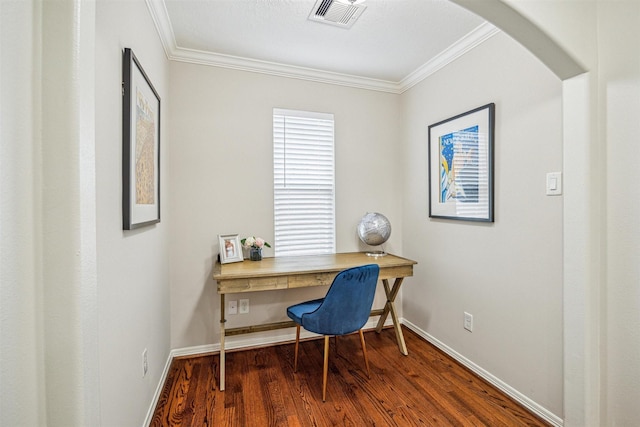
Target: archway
(582, 191)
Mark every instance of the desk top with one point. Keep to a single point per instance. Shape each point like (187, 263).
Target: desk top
(291, 265)
(301, 271)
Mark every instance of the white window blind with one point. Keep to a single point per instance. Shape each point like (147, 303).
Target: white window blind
(303, 170)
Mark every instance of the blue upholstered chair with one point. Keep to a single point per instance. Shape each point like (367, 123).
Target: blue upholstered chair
(345, 309)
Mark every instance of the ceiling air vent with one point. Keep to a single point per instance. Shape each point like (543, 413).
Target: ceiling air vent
(333, 12)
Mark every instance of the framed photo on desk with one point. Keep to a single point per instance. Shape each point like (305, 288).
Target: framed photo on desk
(230, 248)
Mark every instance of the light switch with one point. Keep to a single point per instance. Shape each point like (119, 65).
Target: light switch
(554, 183)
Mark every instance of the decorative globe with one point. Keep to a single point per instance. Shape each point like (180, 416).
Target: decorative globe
(374, 229)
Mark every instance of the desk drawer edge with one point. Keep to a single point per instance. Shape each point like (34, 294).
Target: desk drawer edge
(251, 285)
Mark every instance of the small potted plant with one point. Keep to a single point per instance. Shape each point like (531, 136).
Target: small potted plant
(255, 245)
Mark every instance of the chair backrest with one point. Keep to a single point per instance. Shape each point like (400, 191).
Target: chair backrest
(347, 305)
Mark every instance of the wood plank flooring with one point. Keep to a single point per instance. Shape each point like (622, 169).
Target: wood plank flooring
(426, 388)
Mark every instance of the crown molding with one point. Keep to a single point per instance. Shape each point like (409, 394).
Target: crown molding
(282, 70)
(476, 37)
(160, 17)
(173, 52)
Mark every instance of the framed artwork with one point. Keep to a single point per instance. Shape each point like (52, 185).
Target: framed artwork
(140, 146)
(230, 248)
(461, 166)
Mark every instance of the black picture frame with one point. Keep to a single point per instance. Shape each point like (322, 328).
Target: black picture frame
(140, 146)
(461, 166)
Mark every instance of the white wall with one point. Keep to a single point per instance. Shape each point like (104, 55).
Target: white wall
(574, 26)
(21, 378)
(49, 322)
(221, 180)
(507, 274)
(80, 298)
(133, 266)
(619, 57)
(602, 357)
(65, 166)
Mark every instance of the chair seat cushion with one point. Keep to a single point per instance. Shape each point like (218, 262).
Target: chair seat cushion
(295, 312)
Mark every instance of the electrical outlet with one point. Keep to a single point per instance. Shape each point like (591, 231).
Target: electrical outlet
(244, 306)
(468, 321)
(145, 365)
(233, 307)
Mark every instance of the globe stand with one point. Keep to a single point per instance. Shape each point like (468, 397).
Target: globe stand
(374, 230)
(376, 253)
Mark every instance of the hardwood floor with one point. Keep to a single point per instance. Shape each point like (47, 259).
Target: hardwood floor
(425, 388)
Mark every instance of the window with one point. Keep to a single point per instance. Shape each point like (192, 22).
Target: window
(303, 170)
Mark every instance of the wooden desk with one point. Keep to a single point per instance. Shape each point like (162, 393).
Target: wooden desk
(303, 271)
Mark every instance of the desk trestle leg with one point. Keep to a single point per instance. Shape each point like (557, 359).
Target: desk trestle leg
(222, 333)
(390, 307)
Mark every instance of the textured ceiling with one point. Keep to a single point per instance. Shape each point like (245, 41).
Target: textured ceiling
(391, 39)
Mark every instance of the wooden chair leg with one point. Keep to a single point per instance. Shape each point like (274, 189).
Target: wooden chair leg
(364, 351)
(326, 367)
(295, 358)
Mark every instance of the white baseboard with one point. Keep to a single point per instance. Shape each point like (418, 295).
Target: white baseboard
(156, 396)
(523, 400)
(285, 335)
(256, 340)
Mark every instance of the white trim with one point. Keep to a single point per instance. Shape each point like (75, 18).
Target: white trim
(305, 114)
(159, 387)
(523, 400)
(160, 16)
(282, 70)
(258, 339)
(476, 37)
